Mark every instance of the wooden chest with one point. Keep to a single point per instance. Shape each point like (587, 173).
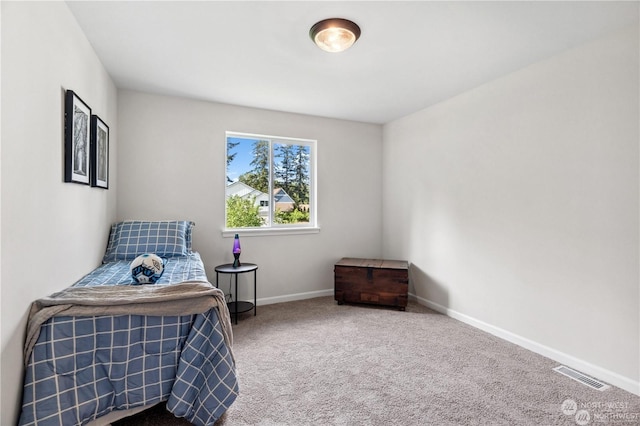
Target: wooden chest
(375, 281)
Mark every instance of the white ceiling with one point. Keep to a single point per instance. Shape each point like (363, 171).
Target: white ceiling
(259, 54)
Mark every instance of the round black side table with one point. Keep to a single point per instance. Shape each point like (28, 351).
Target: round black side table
(239, 306)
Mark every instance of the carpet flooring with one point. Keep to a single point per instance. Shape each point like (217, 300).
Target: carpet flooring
(312, 362)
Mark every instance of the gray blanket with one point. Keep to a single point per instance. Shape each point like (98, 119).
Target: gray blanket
(186, 298)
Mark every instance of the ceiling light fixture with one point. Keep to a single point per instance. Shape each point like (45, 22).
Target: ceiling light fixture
(335, 34)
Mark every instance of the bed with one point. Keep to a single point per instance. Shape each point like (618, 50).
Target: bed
(107, 345)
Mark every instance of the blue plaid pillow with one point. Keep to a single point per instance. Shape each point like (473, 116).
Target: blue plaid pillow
(130, 239)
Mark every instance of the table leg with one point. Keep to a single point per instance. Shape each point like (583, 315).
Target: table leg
(255, 293)
(236, 297)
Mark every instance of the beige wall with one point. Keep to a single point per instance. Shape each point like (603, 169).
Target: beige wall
(171, 162)
(52, 232)
(517, 205)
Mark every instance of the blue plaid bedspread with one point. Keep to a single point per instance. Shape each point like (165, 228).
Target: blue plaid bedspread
(176, 270)
(82, 368)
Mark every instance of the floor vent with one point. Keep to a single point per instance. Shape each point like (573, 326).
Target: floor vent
(579, 377)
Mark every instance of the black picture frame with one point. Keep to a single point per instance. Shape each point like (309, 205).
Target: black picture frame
(99, 153)
(77, 115)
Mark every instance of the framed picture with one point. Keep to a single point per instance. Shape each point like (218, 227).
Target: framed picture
(76, 139)
(99, 153)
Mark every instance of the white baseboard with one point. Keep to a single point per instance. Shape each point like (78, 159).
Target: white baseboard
(595, 371)
(296, 296)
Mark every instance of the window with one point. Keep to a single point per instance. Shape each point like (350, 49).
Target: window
(270, 182)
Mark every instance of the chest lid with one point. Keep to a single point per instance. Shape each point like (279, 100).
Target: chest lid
(373, 263)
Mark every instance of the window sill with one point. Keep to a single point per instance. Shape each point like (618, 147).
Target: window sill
(260, 232)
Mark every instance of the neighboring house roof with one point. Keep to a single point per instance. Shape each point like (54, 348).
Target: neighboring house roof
(242, 190)
(281, 196)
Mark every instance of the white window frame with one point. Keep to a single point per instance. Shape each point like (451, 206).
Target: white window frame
(278, 229)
